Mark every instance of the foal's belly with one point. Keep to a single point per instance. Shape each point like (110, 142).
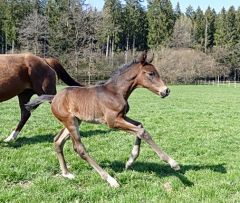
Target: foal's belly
(96, 121)
(90, 116)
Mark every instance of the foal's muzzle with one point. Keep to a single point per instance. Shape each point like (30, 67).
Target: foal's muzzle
(165, 92)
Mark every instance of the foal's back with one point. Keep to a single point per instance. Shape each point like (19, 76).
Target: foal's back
(94, 104)
(81, 102)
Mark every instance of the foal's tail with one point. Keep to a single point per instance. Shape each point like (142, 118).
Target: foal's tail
(61, 72)
(32, 105)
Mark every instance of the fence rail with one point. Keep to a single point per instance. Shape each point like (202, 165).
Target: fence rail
(229, 83)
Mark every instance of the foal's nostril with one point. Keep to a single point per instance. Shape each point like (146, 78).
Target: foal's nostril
(167, 91)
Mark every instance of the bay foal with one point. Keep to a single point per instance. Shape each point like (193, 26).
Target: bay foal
(24, 75)
(107, 104)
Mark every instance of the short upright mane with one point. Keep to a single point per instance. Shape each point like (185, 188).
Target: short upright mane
(122, 69)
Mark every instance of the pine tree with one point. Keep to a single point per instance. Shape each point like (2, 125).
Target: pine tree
(65, 17)
(190, 12)
(57, 14)
(111, 28)
(210, 16)
(9, 25)
(238, 23)
(177, 11)
(2, 32)
(231, 27)
(220, 34)
(160, 21)
(12, 14)
(135, 26)
(199, 28)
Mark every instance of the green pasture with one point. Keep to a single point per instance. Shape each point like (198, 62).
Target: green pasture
(199, 126)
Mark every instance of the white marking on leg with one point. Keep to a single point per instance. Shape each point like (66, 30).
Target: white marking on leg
(112, 181)
(68, 175)
(134, 155)
(129, 163)
(12, 136)
(135, 151)
(174, 165)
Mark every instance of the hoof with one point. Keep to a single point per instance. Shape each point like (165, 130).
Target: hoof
(174, 165)
(9, 139)
(128, 165)
(113, 183)
(176, 168)
(69, 176)
(12, 137)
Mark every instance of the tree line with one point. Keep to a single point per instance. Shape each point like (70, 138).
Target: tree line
(92, 43)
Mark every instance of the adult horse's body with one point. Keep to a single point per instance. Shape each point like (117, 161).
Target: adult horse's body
(107, 104)
(26, 74)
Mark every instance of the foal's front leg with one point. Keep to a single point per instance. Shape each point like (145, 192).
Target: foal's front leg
(72, 127)
(141, 133)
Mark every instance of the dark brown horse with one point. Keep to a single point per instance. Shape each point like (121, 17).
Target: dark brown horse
(26, 74)
(107, 104)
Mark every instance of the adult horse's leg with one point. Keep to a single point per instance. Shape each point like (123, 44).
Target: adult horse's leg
(23, 98)
(72, 125)
(48, 86)
(140, 132)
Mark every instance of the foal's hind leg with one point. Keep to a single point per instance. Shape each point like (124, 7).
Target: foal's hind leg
(59, 142)
(134, 154)
(25, 114)
(136, 148)
(72, 126)
(140, 132)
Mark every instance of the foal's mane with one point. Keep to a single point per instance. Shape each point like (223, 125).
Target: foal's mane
(119, 71)
(123, 68)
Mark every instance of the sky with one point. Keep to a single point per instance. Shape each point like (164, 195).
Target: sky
(216, 4)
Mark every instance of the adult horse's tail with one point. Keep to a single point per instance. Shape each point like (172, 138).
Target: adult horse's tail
(32, 105)
(61, 72)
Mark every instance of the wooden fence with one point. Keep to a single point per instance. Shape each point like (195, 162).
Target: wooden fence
(229, 83)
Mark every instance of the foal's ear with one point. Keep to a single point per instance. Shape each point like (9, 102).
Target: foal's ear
(150, 60)
(143, 57)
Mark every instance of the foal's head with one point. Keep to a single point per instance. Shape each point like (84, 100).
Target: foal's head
(149, 78)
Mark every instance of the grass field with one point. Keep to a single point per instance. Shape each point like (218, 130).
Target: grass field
(199, 126)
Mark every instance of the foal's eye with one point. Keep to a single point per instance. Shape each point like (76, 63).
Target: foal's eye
(151, 74)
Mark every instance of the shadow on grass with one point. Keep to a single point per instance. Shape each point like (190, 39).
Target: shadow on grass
(36, 139)
(89, 133)
(163, 170)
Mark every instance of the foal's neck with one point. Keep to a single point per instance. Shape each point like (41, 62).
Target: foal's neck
(125, 82)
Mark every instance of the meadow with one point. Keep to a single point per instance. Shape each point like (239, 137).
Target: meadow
(199, 126)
